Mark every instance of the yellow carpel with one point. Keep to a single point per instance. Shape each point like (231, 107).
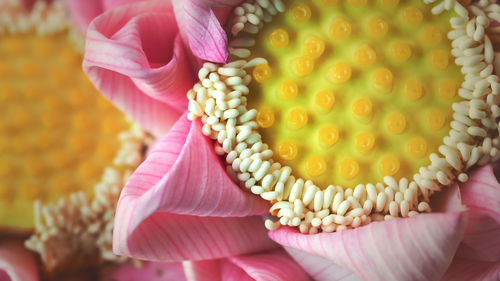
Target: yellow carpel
(413, 90)
(278, 39)
(297, 118)
(287, 150)
(364, 142)
(324, 100)
(316, 166)
(378, 27)
(262, 73)
(365, 56)
(417, 147)
(265, 118)
(349, 169)
(314, 47)
(389, 165)
(301, 13)
(341, 72)
(412, 15)
(328, 136)
(289, 90)
(340, 29)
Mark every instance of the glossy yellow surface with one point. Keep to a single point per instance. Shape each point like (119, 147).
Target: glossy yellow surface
(361, 89)
(55, 138)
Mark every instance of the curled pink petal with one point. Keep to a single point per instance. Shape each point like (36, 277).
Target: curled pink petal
(182, 201)
(230, 271)
(83, 12)
(136, 58)
(319, 268)
(202, 29)
(481, 195)
(151, 271)
(416, 248)
(472, 270)
(273, 265)
(17, 263)
(204, 270)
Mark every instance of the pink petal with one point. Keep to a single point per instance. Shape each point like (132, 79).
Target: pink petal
(83, 12)
(272, 265)
(472, 270)
(202, 29)
(17, 263)
(320, 268)
(481, 195)
(205, 270)
(416, 248)
(136, 58)
(181, 201)
(230, 271)
(151, 271)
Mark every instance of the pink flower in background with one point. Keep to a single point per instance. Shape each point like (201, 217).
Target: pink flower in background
(181, 207)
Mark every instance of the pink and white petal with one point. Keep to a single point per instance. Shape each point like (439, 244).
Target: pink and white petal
(181, 195)
(272, 265)
(17, 263)
(136, 58)
(481, 195)
(472, 270)
(172, 237)
(416, 248)
(151, 271)
(111, 4)
(204, 270)
(201, 27)
(83, 12)
(319, 268)
(230, 271)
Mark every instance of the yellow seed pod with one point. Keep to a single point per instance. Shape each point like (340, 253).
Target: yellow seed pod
(325, 100)
(61, 159)
(303, 66)
(289, 90)
(265, 118)
(314, 47)
(432, 35)
(364, 142)
(278, 38)
(349, 169)
(412, 15)
(89, 170)
(340, 29)
(413, 90)
(382, 77)
(362, 107)
(31, 190)
(365, 56)
(377, 27)
(29, 69)
(316, 166)
(287, 150)
(6, 168)
(417, 147)
(328, 3)
(389, 165)
(436, 120)
(401, 51)
(389, 3)
(262, 73)
(447, 89)
(34, 167)
(301, 13)
(396, 123)
(357, 3)
(297, 118)
(340, 73)
(328, 136)
(440, 59)
(63, 184)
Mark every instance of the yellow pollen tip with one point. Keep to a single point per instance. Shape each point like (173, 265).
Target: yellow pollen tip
(324, 100)
(413, 90)
(278, 39)
(314, 47)
(265, 118)
(316, 166)
(340, 29)
(365, 56)
(262, 73)
(436, 120)
(362, 107)
(289, 90)
(396, 123)
(297, 118)
(349, 169)
(382, 77)
(341, 72)
(417, 147)
(328, 136)
(389, 165)
(377, 27)
(440, 59)
(287, 150)
(432, 35)
(301, 13)
(413, 15)
(364, 142)
(447, 89)
(401, 51)
(303, 66)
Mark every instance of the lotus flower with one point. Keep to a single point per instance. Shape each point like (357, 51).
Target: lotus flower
(181, 206)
